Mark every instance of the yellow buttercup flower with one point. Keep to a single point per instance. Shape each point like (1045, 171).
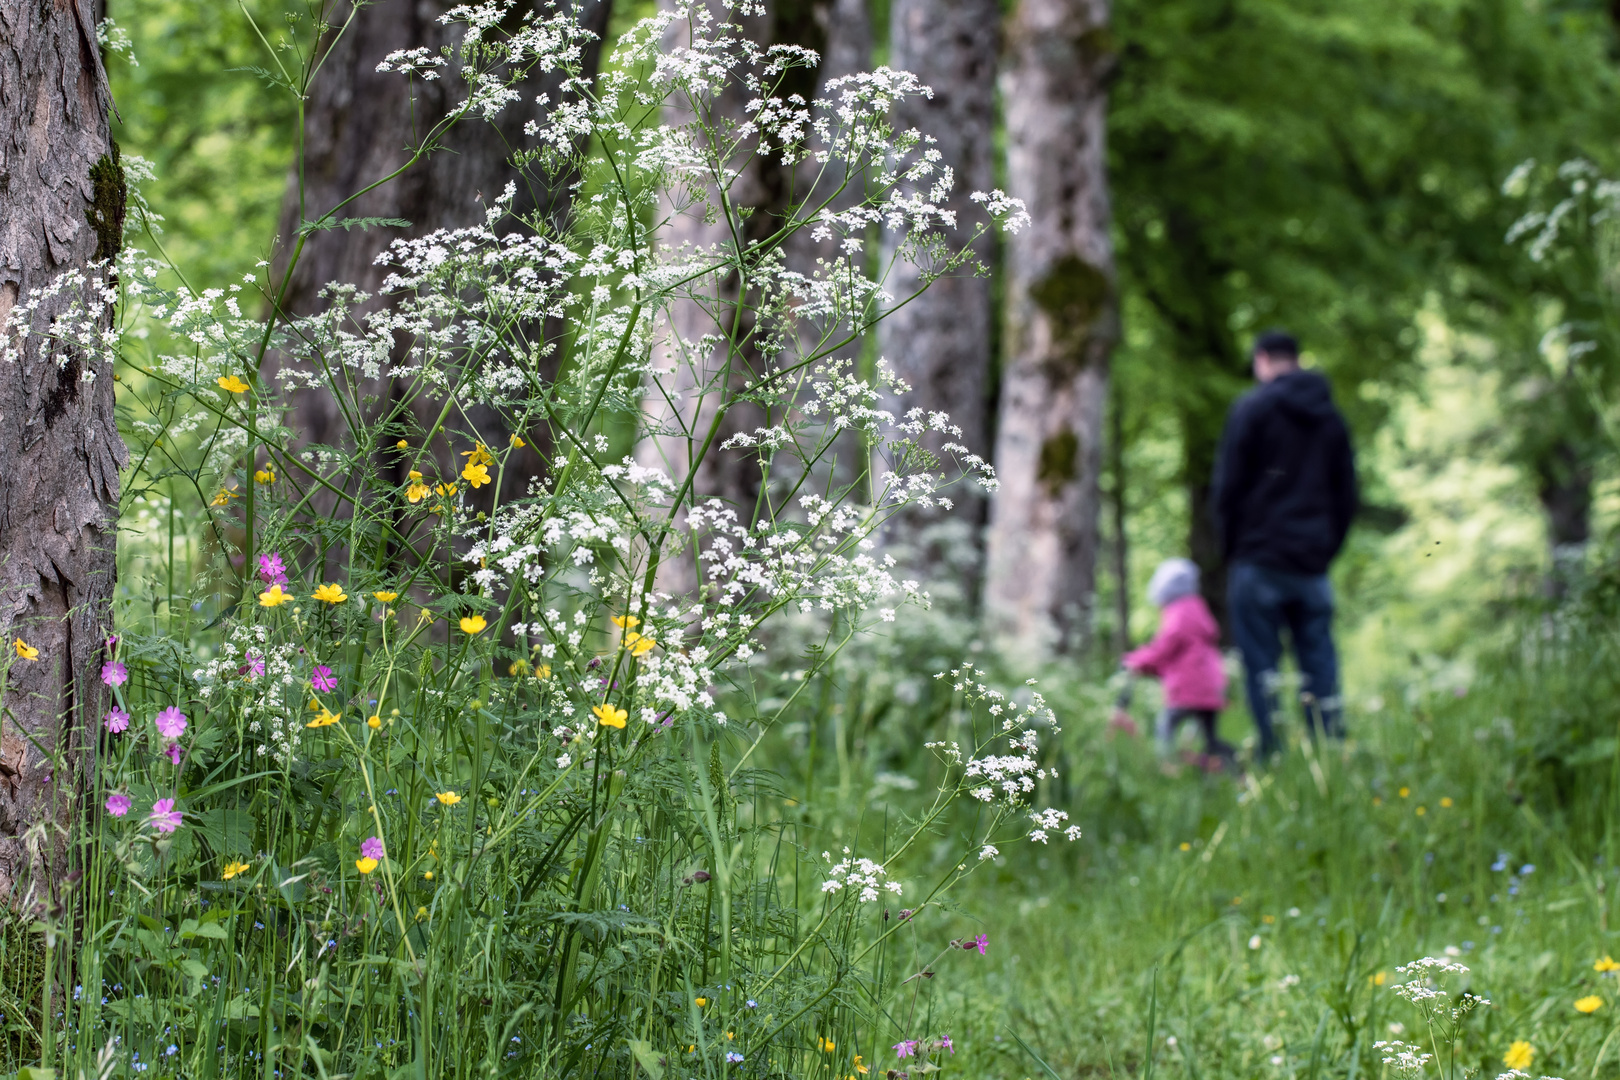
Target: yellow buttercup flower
(517, 443)
(326, 719)
(1519, 1055)
(232, 384)
(448, 798)
(862, 1069)
(476, 475)
(446, 489)
(826, 1046)
(626, 622)
(1381, 978)
(402, 445)
(1607, 964)
(27, 651)
(427, 875)
(222, 497)
(1589, 1004)
(266, 475)
(386, 597)
(473, 624)
(700, 1002)
(330, 594)
(365, 866)
(637, 644)
(416, 492)
(1445, 801)
(1404, 792)
(233, 869)
(479, 455)
(609, 716)
(374, 721)
(543, 671)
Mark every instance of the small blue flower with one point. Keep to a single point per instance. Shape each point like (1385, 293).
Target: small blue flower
(733, 1057)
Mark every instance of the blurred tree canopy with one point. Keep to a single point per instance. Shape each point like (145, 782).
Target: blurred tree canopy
(219, 140)
(1332, 168)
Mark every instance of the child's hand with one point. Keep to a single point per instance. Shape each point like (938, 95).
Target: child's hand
(1121, 721)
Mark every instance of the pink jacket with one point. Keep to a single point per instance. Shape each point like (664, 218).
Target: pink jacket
(1185, 655)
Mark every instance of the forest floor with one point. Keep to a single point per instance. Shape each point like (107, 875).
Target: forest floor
(1213, 927)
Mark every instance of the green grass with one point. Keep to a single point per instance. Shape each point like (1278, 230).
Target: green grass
(1221, 893)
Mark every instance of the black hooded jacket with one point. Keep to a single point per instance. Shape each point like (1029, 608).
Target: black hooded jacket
(1285, 480)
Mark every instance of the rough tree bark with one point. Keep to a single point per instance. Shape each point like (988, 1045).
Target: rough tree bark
(358, 127)
(61, 210)
(1061, 324)
(940, 343)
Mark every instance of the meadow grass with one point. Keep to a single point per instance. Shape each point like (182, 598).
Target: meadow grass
(1210, 927)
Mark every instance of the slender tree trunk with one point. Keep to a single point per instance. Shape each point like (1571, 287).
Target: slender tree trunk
(1564, 486)
(1118, 498)
(61, 211)
(940, 343)
(1062, 322)
(359, 125)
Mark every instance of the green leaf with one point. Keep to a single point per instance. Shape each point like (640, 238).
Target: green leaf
(648, 1058)
(350, 224)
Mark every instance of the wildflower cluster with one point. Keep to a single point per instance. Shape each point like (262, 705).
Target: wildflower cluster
(465, 675)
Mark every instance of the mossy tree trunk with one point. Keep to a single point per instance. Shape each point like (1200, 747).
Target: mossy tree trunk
(1062, 321)
(61, 212)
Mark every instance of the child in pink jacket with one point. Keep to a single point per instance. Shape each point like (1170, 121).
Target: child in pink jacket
(1185, 656)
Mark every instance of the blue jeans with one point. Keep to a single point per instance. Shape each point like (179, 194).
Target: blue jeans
(1260, 602)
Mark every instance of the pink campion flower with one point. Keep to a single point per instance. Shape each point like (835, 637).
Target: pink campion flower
(171, 722)
(272, 569)
(118, 804)
(114, 673)
(164, 817)
(323, 679)
(905, 1048)
(116, 720)
(982, 943)
(112, 642)
(254, 668)
(174, 753)
(945, 1044)
(371, 848)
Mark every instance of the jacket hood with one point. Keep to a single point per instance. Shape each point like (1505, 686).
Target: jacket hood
(1303, 395)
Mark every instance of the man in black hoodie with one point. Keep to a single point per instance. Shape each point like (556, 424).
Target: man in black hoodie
(1284, 494)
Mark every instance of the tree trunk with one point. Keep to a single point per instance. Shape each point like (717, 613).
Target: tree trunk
(61, 210)
(1062, 322)
(840, 31)
(940, 343)
(359, 125)
(1564, 486)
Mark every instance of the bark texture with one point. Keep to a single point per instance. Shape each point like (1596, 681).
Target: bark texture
(359, 126)
(941, 342)
(840, 31)
(61, 209)
(1062, 321)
